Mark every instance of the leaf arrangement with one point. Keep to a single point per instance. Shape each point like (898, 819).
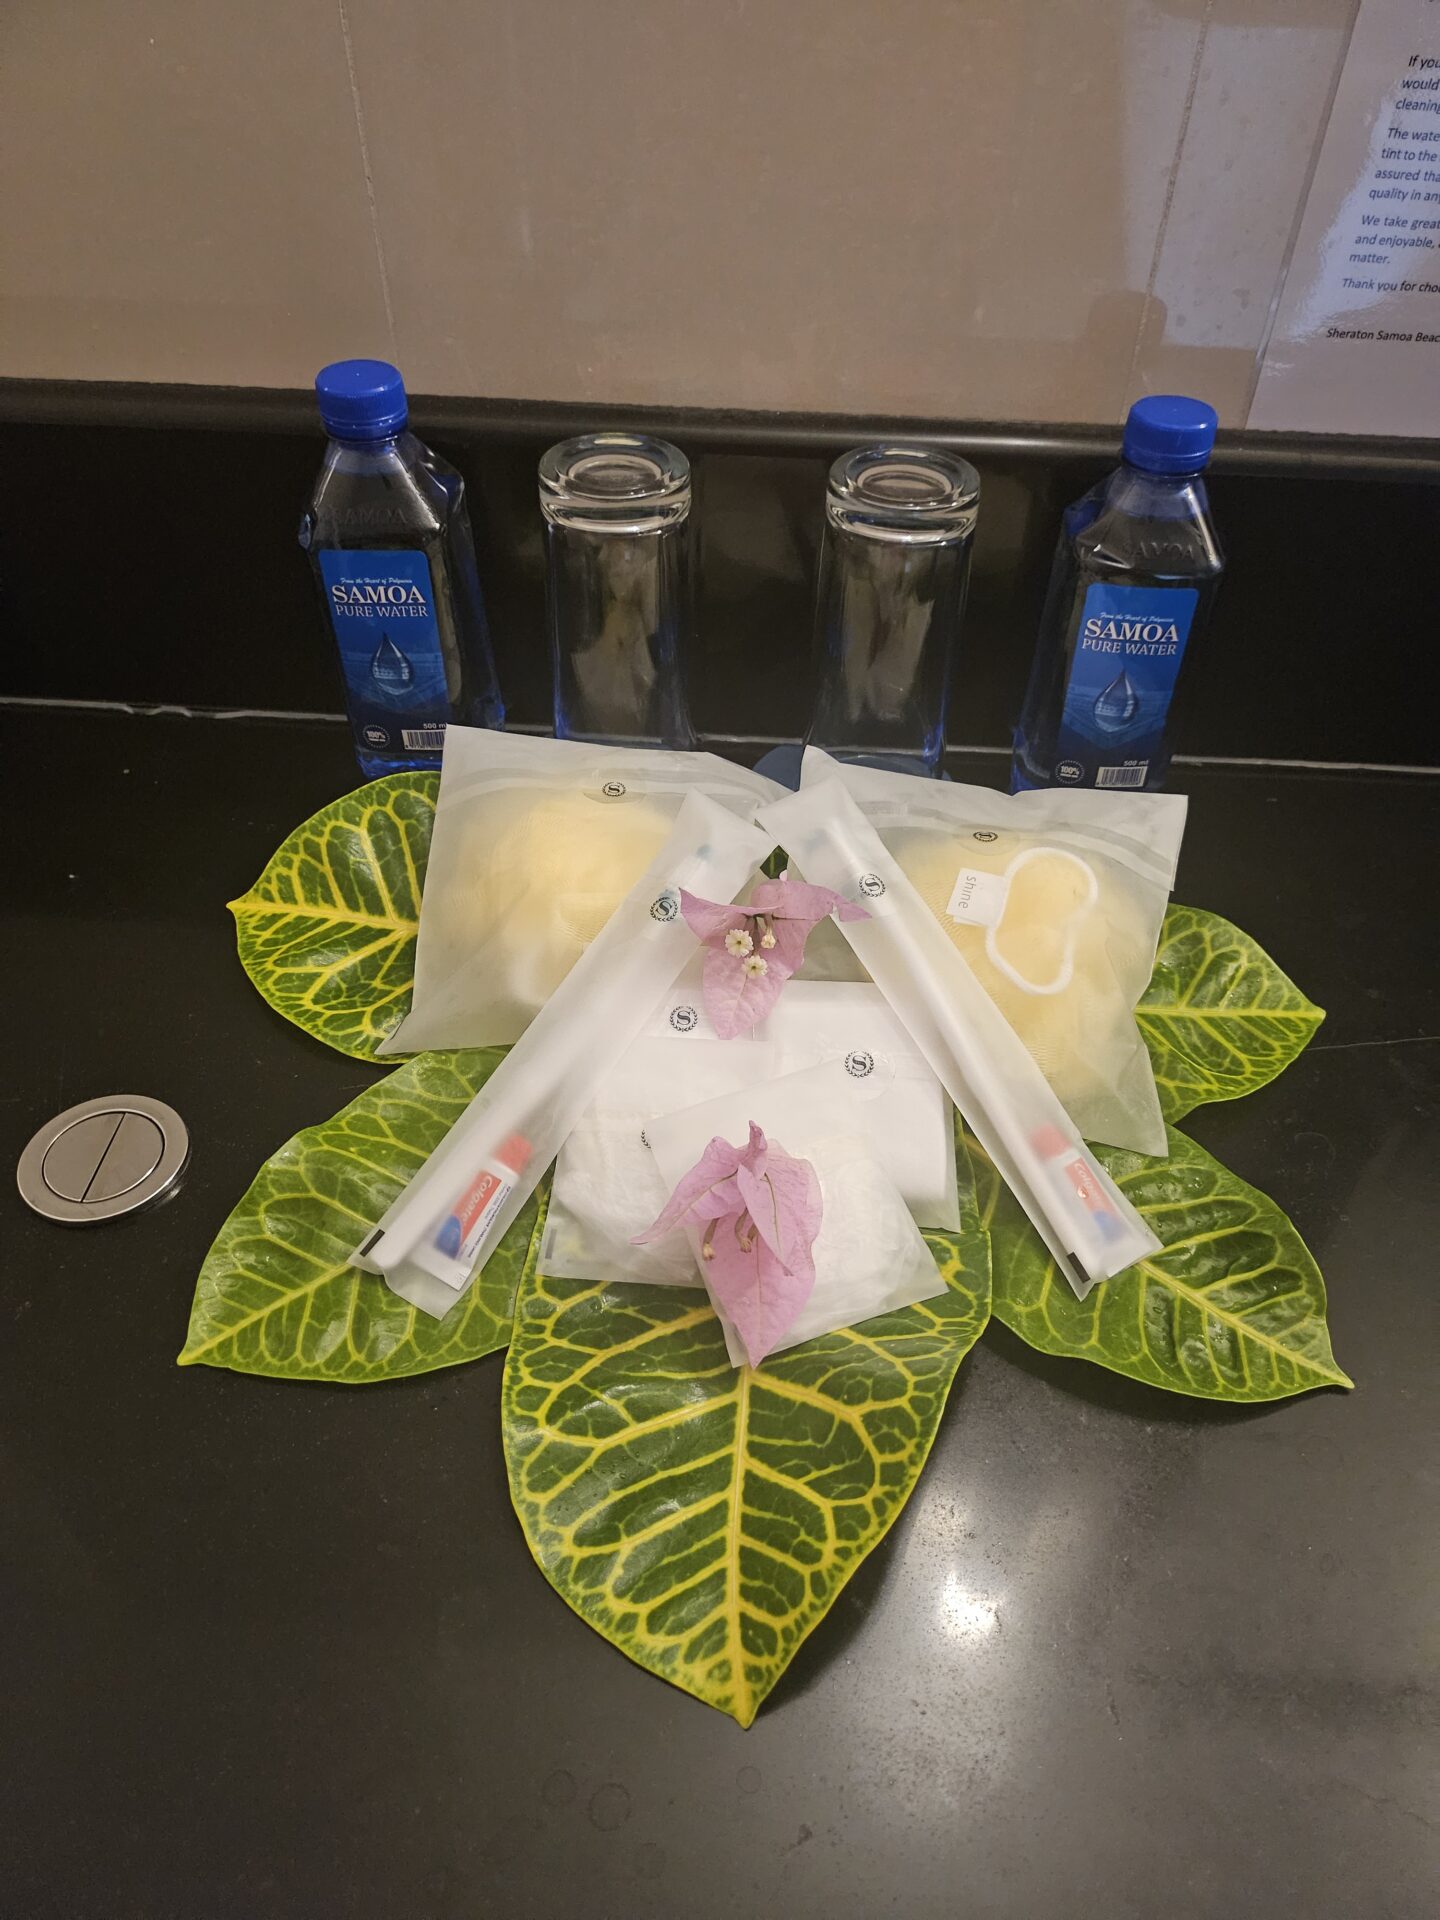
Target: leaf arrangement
(327, 933)
(1231, 1308)
(277, 1294)
(1219, 1017)
(704, 1517)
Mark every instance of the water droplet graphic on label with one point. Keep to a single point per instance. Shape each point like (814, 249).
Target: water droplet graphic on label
(389, 668)
(1116, 706)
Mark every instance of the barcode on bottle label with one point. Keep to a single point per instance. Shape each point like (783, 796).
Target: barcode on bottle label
(423, 739)
(1122, 776)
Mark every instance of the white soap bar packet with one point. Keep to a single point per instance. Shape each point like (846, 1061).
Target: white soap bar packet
(870, 1257)
(607, 1187)
(535, 844)
(891, 1094)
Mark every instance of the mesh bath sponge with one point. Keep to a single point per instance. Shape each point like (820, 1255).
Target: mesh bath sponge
(1055, 901)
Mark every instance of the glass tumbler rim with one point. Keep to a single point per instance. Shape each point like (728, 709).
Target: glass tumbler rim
(903, 491)
(615, 482)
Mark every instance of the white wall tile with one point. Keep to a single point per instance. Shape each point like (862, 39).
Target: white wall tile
(184, 196)
(1259, 108)
(946, 207)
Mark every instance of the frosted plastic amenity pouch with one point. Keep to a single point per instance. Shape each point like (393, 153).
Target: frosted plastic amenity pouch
(909, 1123)
(1054, 898)
(869, 1254)
(536, 843)
(1084, 1219)
(607, 1186)
(445, 1224)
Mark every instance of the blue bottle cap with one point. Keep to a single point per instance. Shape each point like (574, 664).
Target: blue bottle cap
(1168, 433)
(361, 399)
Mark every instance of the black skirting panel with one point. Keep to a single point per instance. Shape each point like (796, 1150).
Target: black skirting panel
(148, 555)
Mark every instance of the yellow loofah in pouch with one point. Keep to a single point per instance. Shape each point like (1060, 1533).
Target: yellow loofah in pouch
(536, 843)
(535, 875)
(1076, 934)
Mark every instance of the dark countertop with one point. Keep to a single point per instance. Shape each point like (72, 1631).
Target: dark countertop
(280, 1650)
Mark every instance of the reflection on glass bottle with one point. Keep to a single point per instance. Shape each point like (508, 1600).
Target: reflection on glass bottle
(389, 668)
(617, 588)
(890, 598)
(1116, 706)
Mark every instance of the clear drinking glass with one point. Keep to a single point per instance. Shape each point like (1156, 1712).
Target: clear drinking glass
(617, 510)
(894, 568)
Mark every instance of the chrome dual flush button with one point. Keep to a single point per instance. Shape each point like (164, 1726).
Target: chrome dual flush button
(103, 1159)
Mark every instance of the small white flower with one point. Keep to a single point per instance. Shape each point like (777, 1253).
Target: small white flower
(754, 966)
(738, 942)
(767, 939)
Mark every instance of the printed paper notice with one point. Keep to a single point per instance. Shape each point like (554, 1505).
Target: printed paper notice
(1356, 343)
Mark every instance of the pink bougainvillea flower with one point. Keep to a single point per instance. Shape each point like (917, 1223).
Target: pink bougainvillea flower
(753, 950)
(758, 1210)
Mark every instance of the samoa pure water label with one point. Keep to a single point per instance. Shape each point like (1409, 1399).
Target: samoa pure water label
(382, 612)
(1127, 656)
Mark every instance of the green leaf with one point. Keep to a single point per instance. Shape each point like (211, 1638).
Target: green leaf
(1218, 1016)
(276, 1294)
(703, 1517)
(327, 933)
(1231, 1308)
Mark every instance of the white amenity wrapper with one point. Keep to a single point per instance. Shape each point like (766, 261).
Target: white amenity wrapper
(443, 1227)
(909, 1123)
(535, 844)
(607, 1187)
(1055, 900)
(869, 1255)
(1079, 1212)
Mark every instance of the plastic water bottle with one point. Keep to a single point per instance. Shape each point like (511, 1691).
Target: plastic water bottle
(390, 544)
(1135, 574)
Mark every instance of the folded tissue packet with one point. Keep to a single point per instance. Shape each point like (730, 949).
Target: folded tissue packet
(870, 1257)
(608, 1186)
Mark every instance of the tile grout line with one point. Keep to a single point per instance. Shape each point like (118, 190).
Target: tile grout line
(1287, 258)
(1304, 766)
(369, 178)
(162, 709)
(1196, 62)
(1401, 1040)
(159, 709)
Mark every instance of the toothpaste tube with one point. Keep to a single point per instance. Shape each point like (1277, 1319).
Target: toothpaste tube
(1090, 1228)
(451, 1254)
(1071, 1171)
(439, 1232)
